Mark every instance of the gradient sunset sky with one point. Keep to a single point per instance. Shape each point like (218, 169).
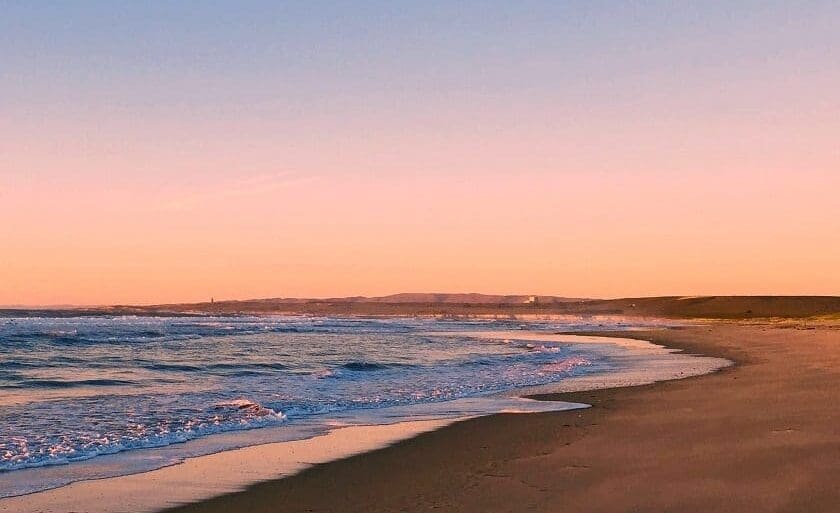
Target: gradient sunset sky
(172, 151)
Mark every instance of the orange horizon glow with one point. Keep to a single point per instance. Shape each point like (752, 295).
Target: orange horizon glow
(307, 240)
(582, 153)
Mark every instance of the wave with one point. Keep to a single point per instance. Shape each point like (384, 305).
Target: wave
(172, 367)
(13, 364)
(247, 415)
(366, 366)
(224, 369)
(245, 366)
(56, 383)
(102, 330)
(249, 406)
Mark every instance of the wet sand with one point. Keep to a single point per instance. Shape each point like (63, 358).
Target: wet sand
(207, 476)
(761, 436)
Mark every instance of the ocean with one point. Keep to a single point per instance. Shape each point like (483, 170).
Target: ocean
(99, 396)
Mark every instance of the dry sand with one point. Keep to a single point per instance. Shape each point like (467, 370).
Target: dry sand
(761, 436)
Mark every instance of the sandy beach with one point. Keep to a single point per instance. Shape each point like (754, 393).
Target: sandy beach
(759, 436)
(396, 257)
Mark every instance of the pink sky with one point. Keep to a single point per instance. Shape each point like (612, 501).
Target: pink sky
(666, 169)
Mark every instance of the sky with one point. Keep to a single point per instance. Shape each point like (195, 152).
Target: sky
(158, 152)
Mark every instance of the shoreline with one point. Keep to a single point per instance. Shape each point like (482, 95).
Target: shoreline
(227, 471)
(287, 458)
(757, 436)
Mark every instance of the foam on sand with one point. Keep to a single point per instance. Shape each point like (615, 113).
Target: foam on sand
(635, 362)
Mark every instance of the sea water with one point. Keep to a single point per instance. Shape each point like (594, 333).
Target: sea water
(155, 390)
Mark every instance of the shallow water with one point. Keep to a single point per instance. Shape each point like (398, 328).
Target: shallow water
(77, 389)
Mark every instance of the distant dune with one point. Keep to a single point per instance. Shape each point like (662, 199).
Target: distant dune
(713, 307)
(687, 307)
(471, 298)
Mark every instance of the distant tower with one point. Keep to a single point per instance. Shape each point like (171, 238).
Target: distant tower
(212, 300)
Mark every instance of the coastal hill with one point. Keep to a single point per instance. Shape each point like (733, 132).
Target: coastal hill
(444, 304)
(722, 307)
